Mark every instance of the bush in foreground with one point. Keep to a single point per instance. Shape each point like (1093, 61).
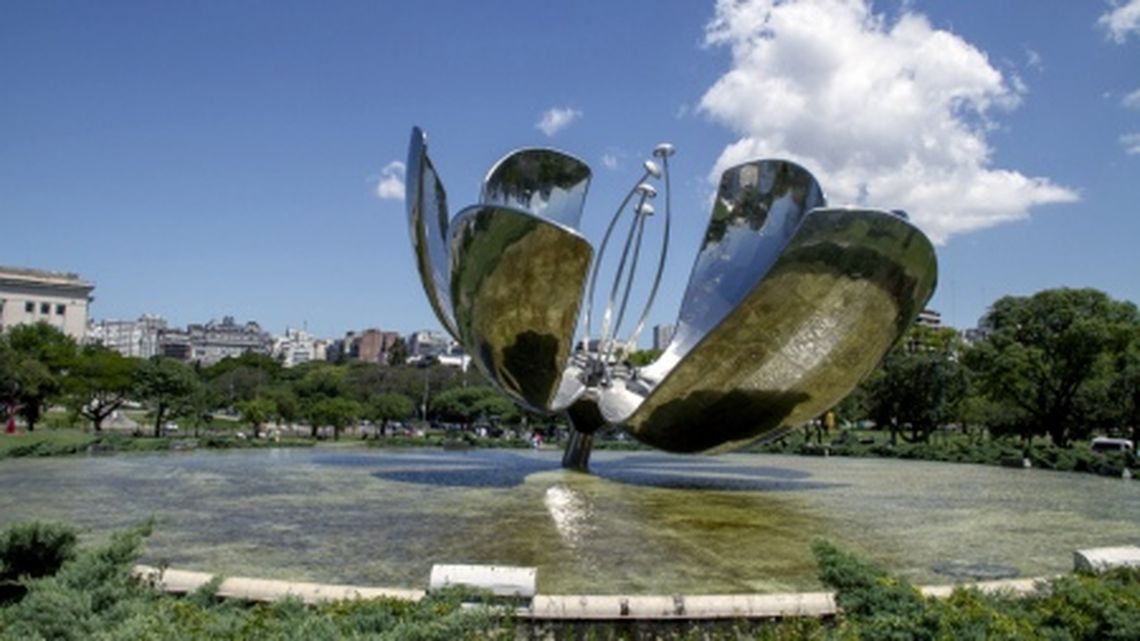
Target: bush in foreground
(91, 594)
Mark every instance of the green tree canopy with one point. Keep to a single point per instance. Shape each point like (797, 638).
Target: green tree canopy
(99, 383)
(40, 355)
(163, 384)
(465, 404)
(286, 405)
(240, 383)
(263, 362)
(916, 390)
(389, 407)
(337, 412)
(1050, 357)
(43, 343)
(257, 412)
(398, 354)
(643, 357)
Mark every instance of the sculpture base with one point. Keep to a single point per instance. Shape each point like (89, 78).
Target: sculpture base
(577, 454)
(584, 418)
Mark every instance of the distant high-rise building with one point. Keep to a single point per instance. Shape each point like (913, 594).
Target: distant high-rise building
(425, 343)
(298, 346)
(926, 318)
(175, 343)
(980, 333)
(138, 338)
(662, 334)
(369, 346)
(373, 345)
(29, 296)
(929, 318)
(212, 342)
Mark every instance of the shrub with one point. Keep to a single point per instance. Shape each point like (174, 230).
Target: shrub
(885, 607)
(35, 549)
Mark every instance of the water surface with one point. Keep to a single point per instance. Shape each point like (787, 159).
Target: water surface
(643, 523)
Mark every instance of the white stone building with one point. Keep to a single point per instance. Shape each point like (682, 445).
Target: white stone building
(425, 343)
(212, 342)
(298, 346)
(138, 338)
(30, 296)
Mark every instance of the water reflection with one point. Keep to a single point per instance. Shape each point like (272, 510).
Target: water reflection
(384, 517)
(572, 513)
(496, 469)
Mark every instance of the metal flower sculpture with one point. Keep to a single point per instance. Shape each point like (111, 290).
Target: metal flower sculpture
(789, 305)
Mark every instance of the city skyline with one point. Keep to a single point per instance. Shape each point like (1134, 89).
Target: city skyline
(245, 160)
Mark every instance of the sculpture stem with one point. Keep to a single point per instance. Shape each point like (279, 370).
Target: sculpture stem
(578, 448)
(584, 418)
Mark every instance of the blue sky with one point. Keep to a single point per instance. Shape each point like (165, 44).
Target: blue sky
(197, 160)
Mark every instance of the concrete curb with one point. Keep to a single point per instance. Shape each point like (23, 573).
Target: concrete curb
(265, 590)
(563, 607)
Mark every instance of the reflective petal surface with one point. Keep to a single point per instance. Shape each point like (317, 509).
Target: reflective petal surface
(544, 182)
(426, 202)
(516, 286)
(759, 206)
(840, 294)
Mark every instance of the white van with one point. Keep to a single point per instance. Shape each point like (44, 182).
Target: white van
(1105, 444)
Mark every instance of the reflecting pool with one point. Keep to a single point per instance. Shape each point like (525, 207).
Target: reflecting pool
(643, 523)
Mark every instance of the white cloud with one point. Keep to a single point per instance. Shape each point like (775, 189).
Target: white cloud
(556, 119)
(1131, 143)
(1132, 100)
(610, 160)
(1033, 59)
(887, 114)
(391, 185)
(1123, 19)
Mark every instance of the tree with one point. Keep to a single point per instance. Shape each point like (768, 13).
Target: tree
(643, 357)
(916, 390)
(162, 384)
(1049, 357)
(99, 383)
(43, 343)
(240, 383)
(257, 412)
(319, 384)
(398, 353)
(9, 385)
(1125, 390)
(270, 366)
(463, 404)
(390, 407)
(35, 385)
(42, 355)
(286, 406)
(196, 408)
(338, 413)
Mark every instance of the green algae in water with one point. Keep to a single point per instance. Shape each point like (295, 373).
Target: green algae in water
(643, 523)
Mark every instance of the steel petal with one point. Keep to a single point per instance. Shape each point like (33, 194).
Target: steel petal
(426, 202)
(759, 206)
(840, 294)
(545, 182)
(516, 286)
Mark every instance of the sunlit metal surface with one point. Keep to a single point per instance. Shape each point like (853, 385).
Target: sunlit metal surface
(789, 305)
(516, 284)
(840, 294)
(544, 182)
(758, 207)
(426, 201)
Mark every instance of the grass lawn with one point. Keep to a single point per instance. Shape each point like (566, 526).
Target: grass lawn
(45, 441)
